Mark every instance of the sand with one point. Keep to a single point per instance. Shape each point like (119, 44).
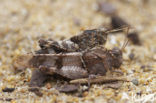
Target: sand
(24, 22)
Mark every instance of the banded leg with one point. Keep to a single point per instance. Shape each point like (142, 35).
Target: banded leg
(99, 79)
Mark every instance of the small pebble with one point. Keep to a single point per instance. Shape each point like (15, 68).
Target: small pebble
(8, 89)
(146, 68)
(131, 56)
(85, 94)
(135, 81)
(107, 8)
(130, 72)
(8, 99)
(118, 22)
(139, 93)
(77, 21)
(36, 91)
(134, 38)
(68, 88)
(143, 67)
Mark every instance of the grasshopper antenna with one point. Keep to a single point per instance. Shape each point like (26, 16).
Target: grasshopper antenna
(126, 40)
(117, 29)
(126, 28)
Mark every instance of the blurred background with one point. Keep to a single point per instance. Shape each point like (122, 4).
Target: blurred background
(24, 22)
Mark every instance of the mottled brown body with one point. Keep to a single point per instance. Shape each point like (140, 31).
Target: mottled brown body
(90, 39)
(72, 66)
(79, 57)
(75, 65)
(86, 40)
(97, 61)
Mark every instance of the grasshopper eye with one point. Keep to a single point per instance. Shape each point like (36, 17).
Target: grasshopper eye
(116, 51)
(117, 57)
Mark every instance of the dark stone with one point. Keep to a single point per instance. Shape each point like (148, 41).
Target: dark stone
(131, 56)
(106, 8)
(118, 22)
(36, 91)
(8, 89)
(68, 88)
(134, 38)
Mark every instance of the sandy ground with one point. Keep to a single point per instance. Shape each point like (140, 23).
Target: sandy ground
(23, 22)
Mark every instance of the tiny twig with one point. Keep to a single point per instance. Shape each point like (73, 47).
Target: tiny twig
(99, 79)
